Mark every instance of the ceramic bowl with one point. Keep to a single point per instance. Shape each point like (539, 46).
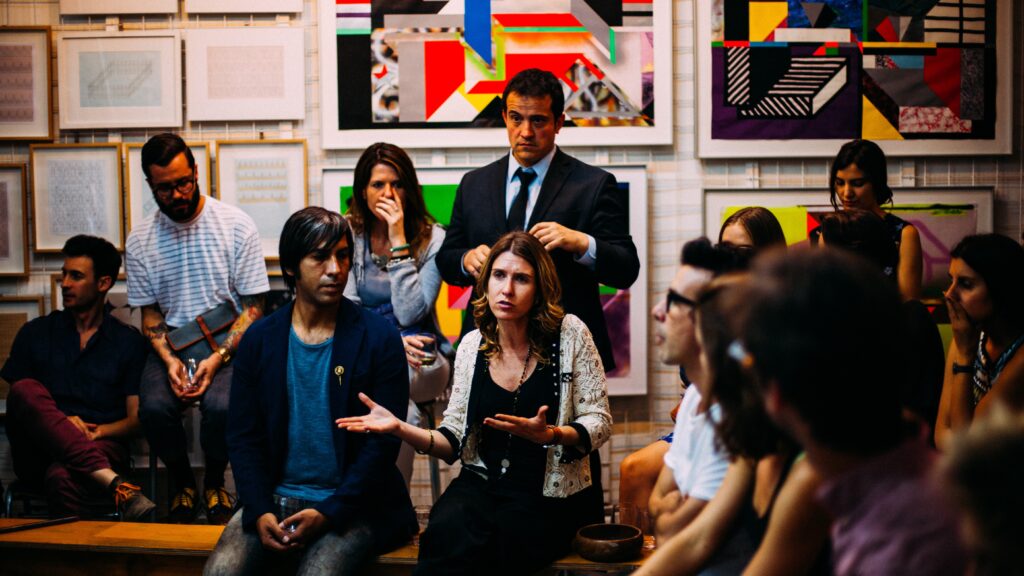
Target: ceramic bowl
(608, 542)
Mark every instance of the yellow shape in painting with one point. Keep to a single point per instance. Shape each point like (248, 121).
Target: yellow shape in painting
(450, 320)
(478, 101)
(765, 17)
(875, 126)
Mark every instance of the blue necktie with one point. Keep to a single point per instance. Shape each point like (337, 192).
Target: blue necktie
(517, 215)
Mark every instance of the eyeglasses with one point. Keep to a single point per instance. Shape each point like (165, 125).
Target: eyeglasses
(166, 189)
(673, 297)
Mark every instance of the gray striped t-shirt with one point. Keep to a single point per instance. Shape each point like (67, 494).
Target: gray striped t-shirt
(191, 267)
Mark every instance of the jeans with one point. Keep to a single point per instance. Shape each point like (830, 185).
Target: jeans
(240, 553)
(160, 414)
(49, 451)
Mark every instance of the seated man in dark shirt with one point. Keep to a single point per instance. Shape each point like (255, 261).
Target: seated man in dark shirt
(74, 399)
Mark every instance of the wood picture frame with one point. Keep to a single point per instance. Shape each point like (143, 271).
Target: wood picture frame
(15, 312)
(76, 189)
(14, 257)
(138, 198)
(124, 80)
(26, 99)
(268, 180)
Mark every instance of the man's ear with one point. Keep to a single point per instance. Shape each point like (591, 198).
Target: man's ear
(104, 284)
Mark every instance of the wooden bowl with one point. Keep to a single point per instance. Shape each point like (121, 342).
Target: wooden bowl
(608, 542)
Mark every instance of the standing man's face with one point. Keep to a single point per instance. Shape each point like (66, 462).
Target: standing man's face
(323, 273)
(175, 188)
(531, 127)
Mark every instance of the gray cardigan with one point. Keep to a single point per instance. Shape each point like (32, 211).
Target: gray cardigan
(414, 285)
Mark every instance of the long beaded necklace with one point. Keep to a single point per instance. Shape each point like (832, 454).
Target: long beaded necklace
(505, 462)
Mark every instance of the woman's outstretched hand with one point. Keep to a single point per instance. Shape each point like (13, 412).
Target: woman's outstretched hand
(534, 429)
(379, 420)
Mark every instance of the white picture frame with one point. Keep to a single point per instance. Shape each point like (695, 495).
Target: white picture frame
(27, 110)
(265, 178)
(245, 74)
(100, 7)
(14, 258)
(138, 198)
(332, 28)
(933, 211)
(625, 380)
(243, 6)
(708, 147)
(76, 189)
(125, 80)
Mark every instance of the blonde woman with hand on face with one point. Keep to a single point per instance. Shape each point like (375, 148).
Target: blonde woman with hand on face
(528, 411)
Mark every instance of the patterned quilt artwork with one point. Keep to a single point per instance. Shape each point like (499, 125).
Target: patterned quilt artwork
(844, 69)
(444, 64)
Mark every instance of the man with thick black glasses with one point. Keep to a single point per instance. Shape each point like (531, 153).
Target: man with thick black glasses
(185, 262)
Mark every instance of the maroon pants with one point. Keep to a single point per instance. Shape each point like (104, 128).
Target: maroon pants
(50, 452)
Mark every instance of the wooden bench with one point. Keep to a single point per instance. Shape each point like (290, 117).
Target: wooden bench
(123, 548)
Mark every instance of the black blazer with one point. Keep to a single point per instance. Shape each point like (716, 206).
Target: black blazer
(575, 195)
(371, 354)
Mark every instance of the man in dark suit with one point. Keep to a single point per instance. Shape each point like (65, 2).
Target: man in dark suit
(331, 496)
(575, 210)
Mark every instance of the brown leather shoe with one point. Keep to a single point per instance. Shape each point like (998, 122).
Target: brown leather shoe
(220, 506)
(183, 507)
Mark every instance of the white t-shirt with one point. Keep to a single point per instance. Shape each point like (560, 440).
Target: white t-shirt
(188, 268)
(696, 464)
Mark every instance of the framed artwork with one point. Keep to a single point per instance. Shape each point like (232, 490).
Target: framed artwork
(392, 69)
(942, 216)
(100, 7)
(265, 178)
(243, 6)
(117, 297)
(246, 74)
(14, 260)
(76, 189)
(625, 311)
(126, 80)
(26, 107)
(798, 79)
(139, 202)
(15, 312)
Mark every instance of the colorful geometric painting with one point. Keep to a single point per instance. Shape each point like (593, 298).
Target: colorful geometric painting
(942, 218)
(625, 311)
(884, 70)
(402, 65)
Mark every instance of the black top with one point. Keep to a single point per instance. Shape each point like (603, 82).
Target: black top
(90, 383)
(527, 459)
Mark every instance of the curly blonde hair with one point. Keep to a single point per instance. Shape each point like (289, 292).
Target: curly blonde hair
(545, 316)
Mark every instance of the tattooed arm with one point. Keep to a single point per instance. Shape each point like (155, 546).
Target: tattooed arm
(252, 310)
(154, 327)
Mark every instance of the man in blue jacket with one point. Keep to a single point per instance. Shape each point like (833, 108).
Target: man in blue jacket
(314, 495)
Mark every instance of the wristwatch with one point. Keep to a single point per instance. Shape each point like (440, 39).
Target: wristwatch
(225, 355)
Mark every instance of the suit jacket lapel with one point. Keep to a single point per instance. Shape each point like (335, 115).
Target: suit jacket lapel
(553, 181)
(348, 340)
(496, 196)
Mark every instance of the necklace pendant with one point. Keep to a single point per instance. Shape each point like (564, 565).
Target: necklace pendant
(504, 465)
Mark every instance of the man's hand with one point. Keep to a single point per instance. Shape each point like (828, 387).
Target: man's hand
(88, 429)
(271, 535)
(303, 527)
(473, 260)
(553, 235)
(205, 372)
(176, 375)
